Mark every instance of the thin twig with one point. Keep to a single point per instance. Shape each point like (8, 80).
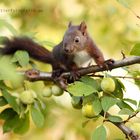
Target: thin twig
(131, 116)
(129, 133)
(123, 77)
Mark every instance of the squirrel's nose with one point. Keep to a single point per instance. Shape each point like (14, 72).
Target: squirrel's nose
(66, 50)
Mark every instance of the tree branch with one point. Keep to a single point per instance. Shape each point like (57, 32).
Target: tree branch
(127, 131)
(38, 75)
(35, 75)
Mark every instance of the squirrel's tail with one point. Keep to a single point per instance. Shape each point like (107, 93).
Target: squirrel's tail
(35, 50)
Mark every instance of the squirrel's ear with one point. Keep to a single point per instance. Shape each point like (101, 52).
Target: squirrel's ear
(83, 27)
(70, 24)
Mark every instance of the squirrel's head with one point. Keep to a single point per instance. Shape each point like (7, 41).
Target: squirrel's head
(75, 38)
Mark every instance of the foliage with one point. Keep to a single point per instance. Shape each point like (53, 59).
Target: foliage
(86, 90)
(18, 116)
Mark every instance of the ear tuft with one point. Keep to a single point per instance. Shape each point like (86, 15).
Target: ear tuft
(83, 27)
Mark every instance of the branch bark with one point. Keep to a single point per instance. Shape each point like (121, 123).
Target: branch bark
(127, 131)
(35, 75)
(91, 69)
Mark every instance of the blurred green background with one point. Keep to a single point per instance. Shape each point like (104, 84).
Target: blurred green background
(114, 27)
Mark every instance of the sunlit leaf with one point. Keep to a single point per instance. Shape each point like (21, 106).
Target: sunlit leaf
(115, 118)
(126, 111)
(7, 70)
(119, 89)
(22, 57)
(99, 133)
(80, 89)
(11, 100)
(108, 102)
(122, 104)
(97, 106)
(136, 50)
(37, 117)
(134, 102)
(91, 82)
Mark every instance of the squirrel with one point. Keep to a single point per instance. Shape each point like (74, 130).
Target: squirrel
(76, 48)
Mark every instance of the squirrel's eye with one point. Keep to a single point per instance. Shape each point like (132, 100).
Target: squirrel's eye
(77, 39)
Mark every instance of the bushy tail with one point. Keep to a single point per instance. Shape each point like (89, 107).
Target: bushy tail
(35, 50)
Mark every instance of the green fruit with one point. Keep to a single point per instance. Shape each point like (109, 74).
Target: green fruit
(108, 85)
(27, 96)
(88, 110)
(136, 127)
(56, 90)
(47, 92)
(76, 102)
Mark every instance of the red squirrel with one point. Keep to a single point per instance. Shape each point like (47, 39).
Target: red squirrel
(76, 48)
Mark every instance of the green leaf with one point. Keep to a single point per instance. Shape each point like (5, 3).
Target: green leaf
(10, 124)
(7, 70)
(99, 133)
(3, 102)
(2, 85)
(91, 82)
(124, 3)
(22, 57)
(13, 122)
(136, 50)
(88, 99)
(119, 89)
(37, 117)
(80, 89)
(22, 125)
(11, 100)
(9, 27)
(130, 101)
(42, 107)
(121, 84)
(108, 102)
(126, 111)
(115, 118)
(122, 104)
(97, 106)
(7, 114)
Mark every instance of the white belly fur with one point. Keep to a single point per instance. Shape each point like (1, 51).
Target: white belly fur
(82, 59)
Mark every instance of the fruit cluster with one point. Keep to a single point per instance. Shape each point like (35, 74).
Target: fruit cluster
(29, 96)
(107, 86)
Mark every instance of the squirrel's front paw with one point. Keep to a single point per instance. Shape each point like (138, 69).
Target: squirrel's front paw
(108, 64)
(57, 73)
(74, 75)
